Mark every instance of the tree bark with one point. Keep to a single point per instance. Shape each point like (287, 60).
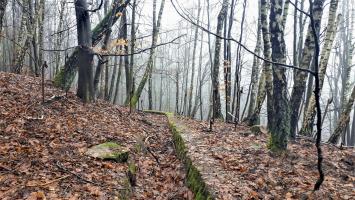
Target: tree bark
(148, 70)
(299, 86)
(280, 123)
(193, 65)
(217, 110)
(255, 69)
(3, 4)
(66, 75)
(308, 121)
(85, 55)
(343, 120)
(23, 41)
(266, 85)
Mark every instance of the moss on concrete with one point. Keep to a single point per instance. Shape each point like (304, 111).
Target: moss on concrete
(194, 179)
(108, 151)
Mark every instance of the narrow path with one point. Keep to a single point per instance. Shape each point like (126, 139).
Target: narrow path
(236, 164)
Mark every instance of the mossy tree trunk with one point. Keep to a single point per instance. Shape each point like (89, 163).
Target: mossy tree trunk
(85, 55)
(66, 75)
(279, 126)
(308, 121)
(148, 71)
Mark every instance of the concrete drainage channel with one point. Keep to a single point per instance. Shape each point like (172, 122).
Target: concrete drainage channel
(194, 179)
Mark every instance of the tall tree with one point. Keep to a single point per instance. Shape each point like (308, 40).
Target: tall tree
(66, 75)
(149, 68)
(23, 39)
(85, 54)
(3, 4)
(265, 88)
(255, 68)
(280, 124)
(308, 121)
(299, 86)
(228, 61)
(344, 119)
(193, 65)
(217, 108)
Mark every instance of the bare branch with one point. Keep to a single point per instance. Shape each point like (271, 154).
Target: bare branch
(239, 43)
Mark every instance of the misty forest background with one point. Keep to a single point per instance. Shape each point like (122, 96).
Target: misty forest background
(204, 59)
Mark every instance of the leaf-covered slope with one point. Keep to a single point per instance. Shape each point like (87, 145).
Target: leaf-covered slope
(42, 148)
(236, 164)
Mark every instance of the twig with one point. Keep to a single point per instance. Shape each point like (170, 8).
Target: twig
(154, 156)
(148, 149)
(317, 98)
(76, 175)
(35, 118)
(50, 182)
(146, 49)
(239, 43)
(300, 10)
(81, 178)
(96, 9)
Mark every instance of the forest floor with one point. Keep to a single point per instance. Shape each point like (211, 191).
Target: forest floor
(42, 148)
(42, 154)
(236, 164)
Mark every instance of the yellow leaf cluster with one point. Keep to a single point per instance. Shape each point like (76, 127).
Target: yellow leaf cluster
(119, 14)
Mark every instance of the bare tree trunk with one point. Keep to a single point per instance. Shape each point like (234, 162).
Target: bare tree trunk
(217, 110)
(3, 4)
(308, 121)
(300, 76)
(238, 69)
(279, 126)
(228, 62)
(255, 69)
(59, 36)
(101, 63)
(41, 32)
(115, 98)
(85, 55)
(129, 82)
(198, 99)
(265, 86)
(343, 120)
(189, 111)
(148, 71)
(67, 74)
(23, 42)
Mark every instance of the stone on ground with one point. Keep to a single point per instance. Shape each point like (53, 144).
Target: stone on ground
(108, 151)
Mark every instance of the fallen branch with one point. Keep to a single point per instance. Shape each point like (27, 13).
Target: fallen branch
(148, 149)
(50, 182)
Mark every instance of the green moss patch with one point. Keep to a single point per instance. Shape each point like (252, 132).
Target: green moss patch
(108, 151)
(194, 179)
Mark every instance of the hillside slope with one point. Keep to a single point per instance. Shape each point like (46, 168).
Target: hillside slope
(42, 148)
